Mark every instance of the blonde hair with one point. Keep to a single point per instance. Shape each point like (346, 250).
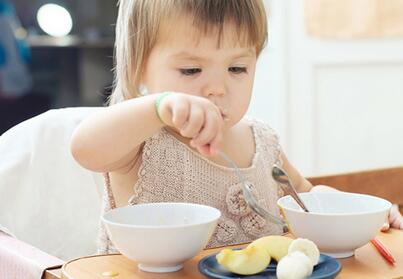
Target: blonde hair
(138, 26)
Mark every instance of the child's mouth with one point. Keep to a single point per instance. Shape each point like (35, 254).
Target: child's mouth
(224, 114)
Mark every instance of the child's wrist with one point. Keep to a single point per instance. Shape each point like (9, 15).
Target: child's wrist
(158, 102)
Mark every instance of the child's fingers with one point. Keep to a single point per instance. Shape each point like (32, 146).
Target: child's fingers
(204, 149)
(211, 148)
(395, 218)
(214, 145)
(194, 124)
(396, 223)
(393, 215)
(385, 227)
(180, 114)
(210, 129)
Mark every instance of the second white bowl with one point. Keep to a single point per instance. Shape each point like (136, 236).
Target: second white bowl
(338, 222)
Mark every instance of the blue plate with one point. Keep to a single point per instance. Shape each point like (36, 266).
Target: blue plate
(327, 268)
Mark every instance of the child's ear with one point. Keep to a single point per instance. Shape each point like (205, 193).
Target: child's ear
(143, 90)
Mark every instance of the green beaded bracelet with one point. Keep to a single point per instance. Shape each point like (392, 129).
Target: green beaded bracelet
(158, 102)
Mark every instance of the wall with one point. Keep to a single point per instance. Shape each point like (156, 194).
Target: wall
(335, 103)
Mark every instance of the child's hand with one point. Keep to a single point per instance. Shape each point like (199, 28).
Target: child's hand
(395, 220)
(194, 117)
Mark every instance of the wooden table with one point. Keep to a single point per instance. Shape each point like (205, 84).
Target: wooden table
(367, 263)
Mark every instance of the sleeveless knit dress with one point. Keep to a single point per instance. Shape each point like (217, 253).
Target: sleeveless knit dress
(171, 171)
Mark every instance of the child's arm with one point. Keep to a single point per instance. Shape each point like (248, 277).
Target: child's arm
(110, 139)
(300, 183)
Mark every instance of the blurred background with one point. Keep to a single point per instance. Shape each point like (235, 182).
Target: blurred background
(62, 58)
(330, 80)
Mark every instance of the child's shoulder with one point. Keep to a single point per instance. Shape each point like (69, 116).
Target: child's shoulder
(266, 138)
(259, 126)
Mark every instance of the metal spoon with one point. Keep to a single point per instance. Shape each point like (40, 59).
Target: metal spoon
(249, 197)
(281, 176)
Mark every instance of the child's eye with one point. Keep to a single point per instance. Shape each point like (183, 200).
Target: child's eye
(237, 70)
(190, 71)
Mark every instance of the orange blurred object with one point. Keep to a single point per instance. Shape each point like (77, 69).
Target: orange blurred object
(383, 251)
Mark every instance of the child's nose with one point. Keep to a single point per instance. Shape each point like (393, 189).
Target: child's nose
(215, 87)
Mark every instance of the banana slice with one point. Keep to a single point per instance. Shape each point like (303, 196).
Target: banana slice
(247, 261)
(307, 247)
(295, 265)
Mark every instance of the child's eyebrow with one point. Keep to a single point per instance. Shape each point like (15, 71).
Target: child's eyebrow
(188, 55)
(192, 56)
(248, 53)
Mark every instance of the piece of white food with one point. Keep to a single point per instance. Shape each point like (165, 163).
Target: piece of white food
(295, 265)
(307, 247)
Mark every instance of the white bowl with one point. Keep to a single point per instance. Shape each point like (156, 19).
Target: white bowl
(161, 236)
(338, 222)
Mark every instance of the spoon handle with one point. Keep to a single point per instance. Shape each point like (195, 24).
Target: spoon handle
(248, 196)
(297, 199)
(282, 177)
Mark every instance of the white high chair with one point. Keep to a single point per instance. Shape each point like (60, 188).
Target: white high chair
(46, 199)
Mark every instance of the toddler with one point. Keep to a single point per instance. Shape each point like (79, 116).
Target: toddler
(183, 82)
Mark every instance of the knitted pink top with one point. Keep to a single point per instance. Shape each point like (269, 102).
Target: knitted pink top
(172, 172)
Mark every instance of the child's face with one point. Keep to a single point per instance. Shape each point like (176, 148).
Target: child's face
(182, 62)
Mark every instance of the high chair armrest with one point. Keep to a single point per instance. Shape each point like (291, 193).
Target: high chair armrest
(21, 260)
